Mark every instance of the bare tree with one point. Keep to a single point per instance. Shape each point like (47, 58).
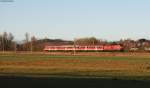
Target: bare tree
(6, 41)
(33, 40)
(26, 45)
(27, 37)
(10, 41)
(5, 36)
(87, 41)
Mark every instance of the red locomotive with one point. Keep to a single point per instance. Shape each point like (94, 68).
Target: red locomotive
(84, 48)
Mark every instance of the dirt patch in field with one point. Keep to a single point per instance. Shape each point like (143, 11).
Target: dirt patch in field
(64, 66)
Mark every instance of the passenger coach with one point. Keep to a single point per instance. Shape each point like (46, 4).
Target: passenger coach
(84, 48)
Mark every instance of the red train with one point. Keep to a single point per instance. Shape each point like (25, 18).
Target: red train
(84, 48)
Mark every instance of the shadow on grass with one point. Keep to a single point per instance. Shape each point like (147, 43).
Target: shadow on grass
(54, 82)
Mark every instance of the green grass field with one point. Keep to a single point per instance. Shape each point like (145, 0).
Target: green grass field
(132, 66)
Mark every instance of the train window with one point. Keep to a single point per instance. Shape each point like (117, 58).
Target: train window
(91, 47)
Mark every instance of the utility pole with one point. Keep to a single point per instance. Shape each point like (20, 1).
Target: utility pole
(93, 42)
(31, 46)
(15, 47)
(74, 43)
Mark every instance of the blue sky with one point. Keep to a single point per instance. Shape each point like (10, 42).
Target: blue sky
(69, 19)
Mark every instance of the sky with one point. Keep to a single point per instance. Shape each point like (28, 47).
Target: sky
(69, 19)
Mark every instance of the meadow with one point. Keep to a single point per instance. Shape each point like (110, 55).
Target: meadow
(102, 65)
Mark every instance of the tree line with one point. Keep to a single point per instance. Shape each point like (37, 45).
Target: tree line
(31, 43)
(6, 41)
